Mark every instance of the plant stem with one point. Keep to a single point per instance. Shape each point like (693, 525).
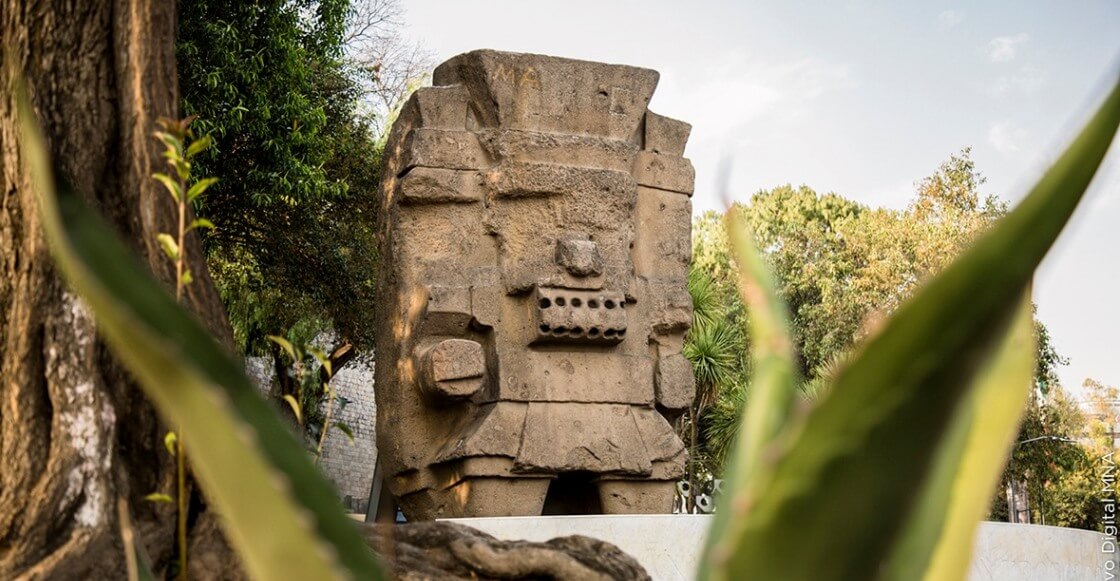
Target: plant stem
(180, 455)
(326, 423)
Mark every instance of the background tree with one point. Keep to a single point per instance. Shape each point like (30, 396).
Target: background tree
(842, 266)
(295, 94)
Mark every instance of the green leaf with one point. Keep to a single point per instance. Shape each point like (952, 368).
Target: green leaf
(853, 474)
(971, 459)
(169, 246)
(174, 145)
(172, 185)
(182, 168)
(292, 403)
(199, 145)
(199, 187)
(159, 497)
(200, 223)
(286, 345)
(345, 429)
(278, 511)
(169, 442)
(773, 389)
(187, 277)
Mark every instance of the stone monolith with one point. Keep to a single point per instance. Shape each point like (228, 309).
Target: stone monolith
(535, 227)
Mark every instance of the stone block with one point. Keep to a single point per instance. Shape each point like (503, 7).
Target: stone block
(452, 369)
(579, 257)
(579, 316)
(553, 95)
(665, 136)
(442, 107)
(664, 172)
(675, 383)
(428, 185)
(441, 148)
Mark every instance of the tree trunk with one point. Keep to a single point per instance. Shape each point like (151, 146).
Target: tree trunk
(75, 431)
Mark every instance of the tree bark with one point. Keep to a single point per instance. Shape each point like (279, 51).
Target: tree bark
(75, 431)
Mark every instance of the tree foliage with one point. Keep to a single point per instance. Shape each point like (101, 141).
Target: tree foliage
(284, 88)
(842, 267)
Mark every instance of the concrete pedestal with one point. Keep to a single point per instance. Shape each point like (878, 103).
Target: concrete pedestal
(669, 545)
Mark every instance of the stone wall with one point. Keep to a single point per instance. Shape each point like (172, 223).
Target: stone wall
(349, 465)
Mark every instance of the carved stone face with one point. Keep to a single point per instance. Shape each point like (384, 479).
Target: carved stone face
(536, 225)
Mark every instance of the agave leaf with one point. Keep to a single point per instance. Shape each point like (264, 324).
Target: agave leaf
(773, 393)
(970, 461)
(278, 511)
(846, 481)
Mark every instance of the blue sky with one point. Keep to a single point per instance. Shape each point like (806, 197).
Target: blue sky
(862, 98)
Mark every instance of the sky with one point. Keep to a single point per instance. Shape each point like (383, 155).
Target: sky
(862, 98)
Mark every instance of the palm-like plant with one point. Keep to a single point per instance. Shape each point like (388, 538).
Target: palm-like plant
(715, 347)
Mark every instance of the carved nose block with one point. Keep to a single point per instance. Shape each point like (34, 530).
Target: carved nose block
(452, 369)
(579, 257)
(579, 316)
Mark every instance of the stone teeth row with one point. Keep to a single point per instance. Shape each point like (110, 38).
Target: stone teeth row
(578, 332)
(578, 302)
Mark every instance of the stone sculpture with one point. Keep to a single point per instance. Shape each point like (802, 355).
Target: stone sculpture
(535, 228)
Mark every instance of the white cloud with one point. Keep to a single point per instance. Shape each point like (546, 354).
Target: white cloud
(950, 18)
(1007, 138)
(738, 90)
(1003, 49)
(1024, 81)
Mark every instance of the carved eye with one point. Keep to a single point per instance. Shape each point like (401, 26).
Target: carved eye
(577, 331)
(593, 332)
(544, 327)
(559, 301)
(608, 333)
(576, 302)
(559, 330)
(608, 303)
(592, 303)
(545, 303)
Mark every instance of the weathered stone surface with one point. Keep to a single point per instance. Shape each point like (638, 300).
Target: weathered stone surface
(452, 369)
(664, 172)
(534, 260)
(427, 185)
(443, 149)
(675, 384)
(664, 135)
(579, 257)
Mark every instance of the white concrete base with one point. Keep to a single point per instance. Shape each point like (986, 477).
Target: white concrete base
(669, 545)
